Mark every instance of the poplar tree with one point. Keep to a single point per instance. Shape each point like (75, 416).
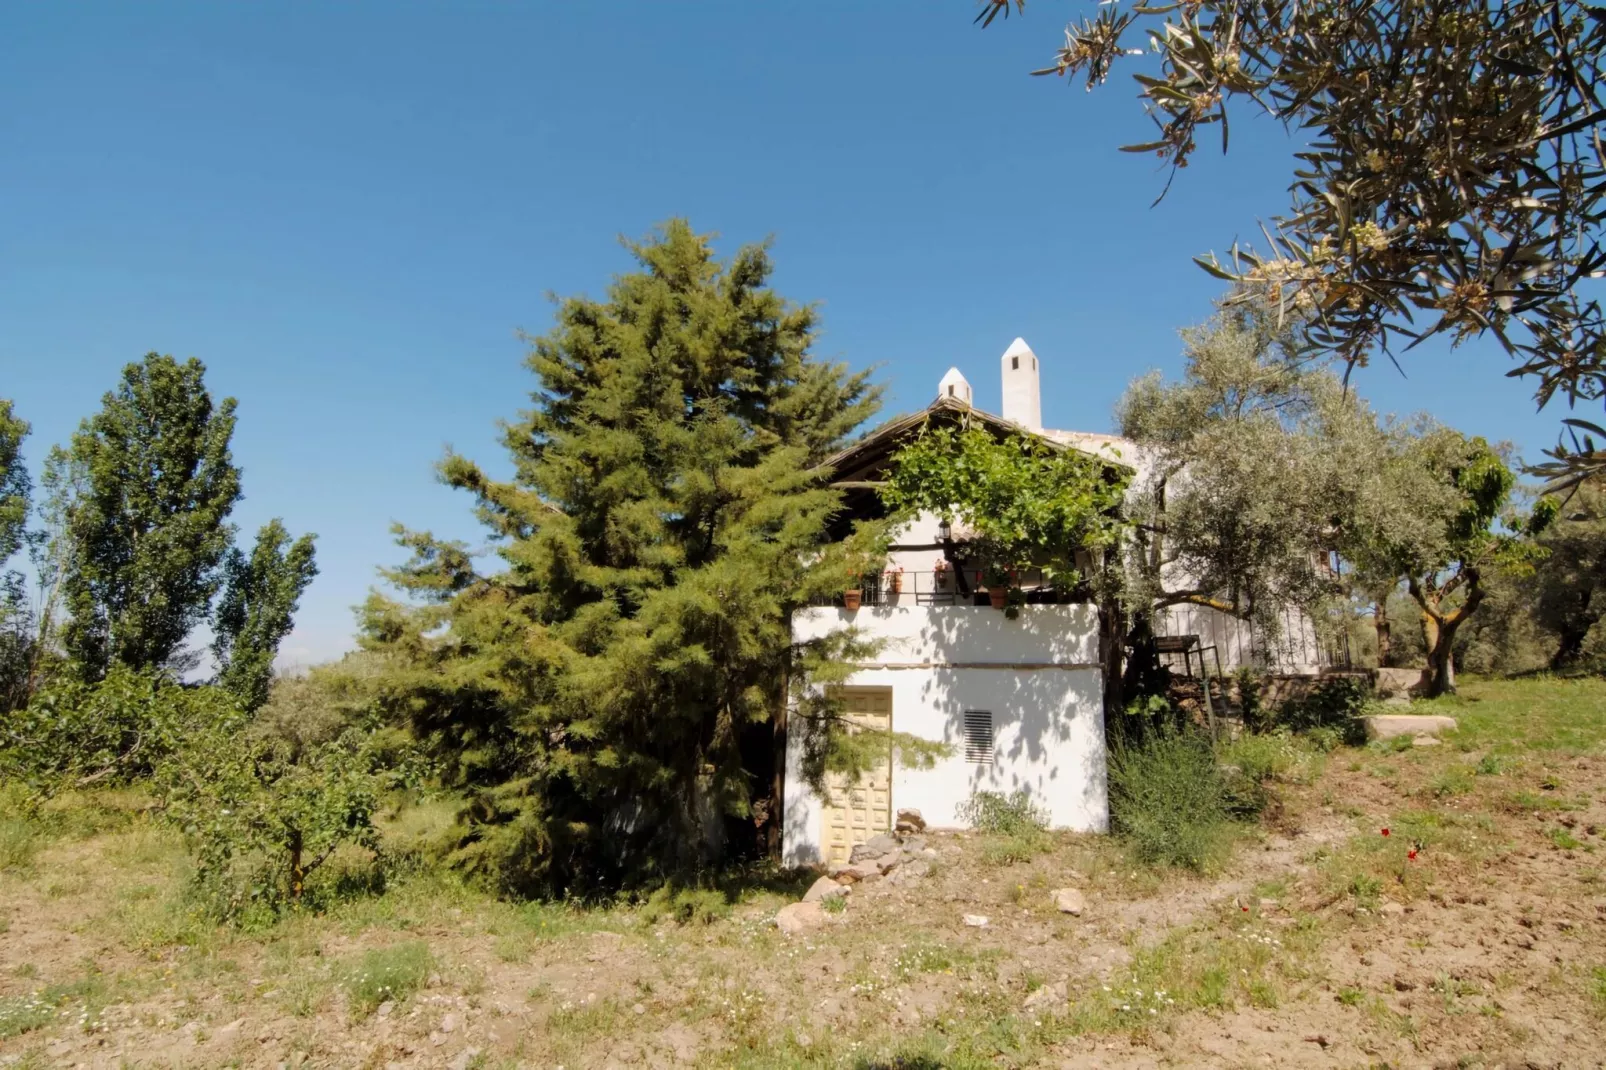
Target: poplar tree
(608, 696)
(15, 619)
(149, 528)
(257, 609)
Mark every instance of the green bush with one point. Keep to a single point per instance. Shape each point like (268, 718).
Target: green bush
(121, 729)
(263, 814)
(1168, 799)
(1005, 815)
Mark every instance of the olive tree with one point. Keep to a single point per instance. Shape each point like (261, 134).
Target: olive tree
(1450, 179)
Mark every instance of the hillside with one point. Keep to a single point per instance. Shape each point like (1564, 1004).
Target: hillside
(1472, 932)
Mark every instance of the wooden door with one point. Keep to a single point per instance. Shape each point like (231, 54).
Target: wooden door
(858, 809)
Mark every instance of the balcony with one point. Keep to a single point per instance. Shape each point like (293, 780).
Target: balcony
(955, 587)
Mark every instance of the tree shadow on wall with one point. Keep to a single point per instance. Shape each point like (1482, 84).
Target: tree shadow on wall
(1048, 719)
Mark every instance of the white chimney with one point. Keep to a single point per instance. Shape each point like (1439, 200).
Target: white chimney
(1022, 403)
(955, 386)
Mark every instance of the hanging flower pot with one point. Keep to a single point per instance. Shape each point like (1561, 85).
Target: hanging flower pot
(853, 598)
(998, 596)
(895, 580)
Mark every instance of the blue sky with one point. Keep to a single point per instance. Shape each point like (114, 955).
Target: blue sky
(347, 211)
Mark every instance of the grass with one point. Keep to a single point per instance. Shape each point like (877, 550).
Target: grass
(844, 996)
(385, 975)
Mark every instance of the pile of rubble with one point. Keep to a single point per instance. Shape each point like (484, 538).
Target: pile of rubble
(898, 857)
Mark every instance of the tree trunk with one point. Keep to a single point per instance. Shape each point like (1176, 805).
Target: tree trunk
(1441, 661)
(298, 873)
(1380, 620)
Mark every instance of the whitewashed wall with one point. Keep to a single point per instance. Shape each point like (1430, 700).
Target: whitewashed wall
(1039, 677)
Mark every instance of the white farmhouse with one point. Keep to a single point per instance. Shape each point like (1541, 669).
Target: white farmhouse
(1020, 701)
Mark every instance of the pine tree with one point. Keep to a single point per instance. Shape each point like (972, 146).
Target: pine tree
(608, 695)
(150, 528)
(257, 610)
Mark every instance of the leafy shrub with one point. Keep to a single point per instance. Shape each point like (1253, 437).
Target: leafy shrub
(1167, 799)
(262, 814)
(116, 731)
(1005, 815)
(390, 973)
(1016, 829)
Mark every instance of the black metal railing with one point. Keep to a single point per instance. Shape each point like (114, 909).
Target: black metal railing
(953, 587)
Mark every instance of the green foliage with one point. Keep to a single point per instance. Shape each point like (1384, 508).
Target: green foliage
(150, 528)
(1335, 704)
(1253, 453)
(1570, 584)
(257, 610)
(1256, 715)
(264, 805)
(1027, 502)
(1430, 510)
(116, 731)
(15, 486)
(606, 696)
(1003, 815)
(385, 974)
(1167, 800)
(1461, 194)
(16, 622)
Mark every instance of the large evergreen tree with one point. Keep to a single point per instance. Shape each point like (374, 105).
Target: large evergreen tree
(257, 609)
(149, 529)
(609, 694)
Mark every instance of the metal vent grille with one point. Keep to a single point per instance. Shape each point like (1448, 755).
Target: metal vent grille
(979, 737)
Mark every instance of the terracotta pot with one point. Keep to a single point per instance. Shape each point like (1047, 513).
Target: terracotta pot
(895, 582)
(852, 599)
(997, 596)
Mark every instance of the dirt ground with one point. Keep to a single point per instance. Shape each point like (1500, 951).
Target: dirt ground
(1472, 934)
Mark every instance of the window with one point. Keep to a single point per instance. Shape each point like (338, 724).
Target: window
(979, 737)
(950, 390)
(1014, 364)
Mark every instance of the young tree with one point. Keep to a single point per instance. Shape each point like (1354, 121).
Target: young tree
(618, 686)
(1452, 170)
(1433, 510)
(257, 609)
(150, 529)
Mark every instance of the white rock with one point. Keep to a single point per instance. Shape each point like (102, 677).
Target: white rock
(799, 917)
(1389, 725)
(449, 1023)
(976, 921)
(825, 888)
(463, 1059)
(1070, 901)
(1426, 741)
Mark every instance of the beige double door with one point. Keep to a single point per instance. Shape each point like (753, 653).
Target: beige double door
(857, 809)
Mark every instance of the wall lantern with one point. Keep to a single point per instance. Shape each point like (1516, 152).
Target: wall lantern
(944, 530)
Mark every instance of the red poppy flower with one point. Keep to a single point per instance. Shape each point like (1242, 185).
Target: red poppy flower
(1411, 854)
(1385, 832)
